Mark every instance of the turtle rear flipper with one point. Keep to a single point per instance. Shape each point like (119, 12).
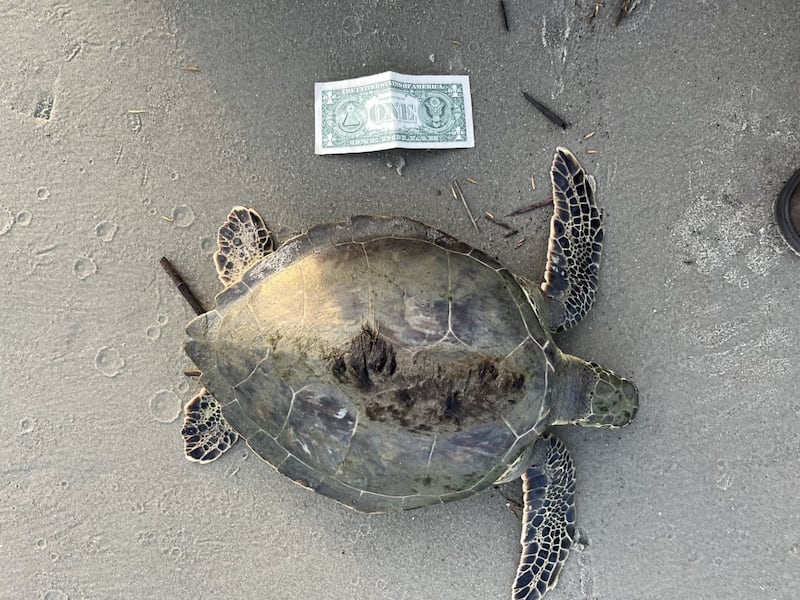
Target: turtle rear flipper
(242, 241)
(548, 519)
(206, 434)
(576, 239)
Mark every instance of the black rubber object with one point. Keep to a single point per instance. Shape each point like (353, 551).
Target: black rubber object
(787, 212)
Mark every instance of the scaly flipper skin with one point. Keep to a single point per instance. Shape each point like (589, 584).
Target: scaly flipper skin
(241, 241)
(206, 434)
(548, 519)
(576, 239)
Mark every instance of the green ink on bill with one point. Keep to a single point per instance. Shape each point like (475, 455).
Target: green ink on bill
(392, 110)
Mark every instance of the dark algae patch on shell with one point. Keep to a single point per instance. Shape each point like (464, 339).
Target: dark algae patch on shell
(433, 389)
(368, 353)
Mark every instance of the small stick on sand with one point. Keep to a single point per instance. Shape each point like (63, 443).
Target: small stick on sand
(459, 195)
(529, 208)
(505, 15)
(624, 10)
(490, 217)
(183, 288)
(552, 117)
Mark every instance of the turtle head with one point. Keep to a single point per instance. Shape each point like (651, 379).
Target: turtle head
(593, 396)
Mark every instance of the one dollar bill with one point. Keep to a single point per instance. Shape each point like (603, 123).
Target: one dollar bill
(392, 110)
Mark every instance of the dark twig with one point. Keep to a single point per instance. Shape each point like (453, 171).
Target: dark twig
(183, 288)
(625, 9)
(505, 15)
(552, 117)
(529, 208)
(490, 217)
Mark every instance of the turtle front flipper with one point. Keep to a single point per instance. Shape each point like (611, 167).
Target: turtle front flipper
(242, 241)
(548, 519)
(206, 433)
(576, 239)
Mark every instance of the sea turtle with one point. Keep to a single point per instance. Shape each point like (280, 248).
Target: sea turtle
(382, 363)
